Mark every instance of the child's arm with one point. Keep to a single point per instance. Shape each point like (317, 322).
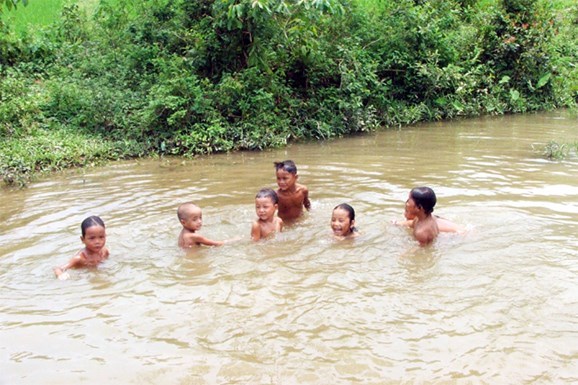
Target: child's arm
(306, 201)
(279, 225)
(199, 239)
(406, 223)
(75, 261)
(447, 226)
(255, 231)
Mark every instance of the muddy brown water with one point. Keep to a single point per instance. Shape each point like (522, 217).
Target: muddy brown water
(496, 305)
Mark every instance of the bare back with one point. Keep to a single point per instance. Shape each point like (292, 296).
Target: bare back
(187, 239)
(425, 230)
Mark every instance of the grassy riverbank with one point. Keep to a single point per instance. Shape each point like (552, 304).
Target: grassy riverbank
(155, 77)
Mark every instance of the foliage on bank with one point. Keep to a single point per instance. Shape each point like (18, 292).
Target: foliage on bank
(155, 77)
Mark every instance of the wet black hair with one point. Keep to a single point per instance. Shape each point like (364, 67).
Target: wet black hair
(424, 197)
(350, 211)
(89, 222)
(287, 165)
(268, 193)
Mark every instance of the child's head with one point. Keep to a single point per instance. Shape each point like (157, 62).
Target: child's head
(93, 233)
(420, 198)
(286, 174)
(286, 165)
(343, 220)
(190, 216)
(90, 222)
(266, 202)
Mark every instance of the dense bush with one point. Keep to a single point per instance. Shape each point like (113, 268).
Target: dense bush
(194, 77)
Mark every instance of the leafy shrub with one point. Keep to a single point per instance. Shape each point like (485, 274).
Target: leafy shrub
(516, 43)
(195, 77)
(19, 104)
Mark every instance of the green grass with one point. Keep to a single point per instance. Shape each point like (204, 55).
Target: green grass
(38, 14)
(41, 13)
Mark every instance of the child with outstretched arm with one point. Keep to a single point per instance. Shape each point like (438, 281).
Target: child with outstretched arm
(191, 218)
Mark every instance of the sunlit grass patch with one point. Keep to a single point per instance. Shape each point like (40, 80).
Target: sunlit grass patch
(42, 13)
(36, 14)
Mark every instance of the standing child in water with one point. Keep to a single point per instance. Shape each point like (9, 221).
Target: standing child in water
(292, 195)
(343, 222)
(191, 217)
(94, 251)
(266, 203)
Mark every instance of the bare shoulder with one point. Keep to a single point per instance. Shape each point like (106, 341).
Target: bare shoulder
(80, 258)
(304, 193)
(301, 187)
(424, 235)
(425, 231)
(278, 223)
(188, 239)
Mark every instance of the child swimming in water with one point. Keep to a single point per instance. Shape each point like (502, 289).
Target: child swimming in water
(444, 225)
(293, 197)
(343, 222)
(266, 203)
(191, 217)
(94, 251)
(420, 205)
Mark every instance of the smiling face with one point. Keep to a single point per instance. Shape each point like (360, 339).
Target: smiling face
(285, 180)
(341, 223)
(94, 238)
(265, 208)
(193, 218)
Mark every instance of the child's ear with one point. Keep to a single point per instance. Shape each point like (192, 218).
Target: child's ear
(182, 221)
(82, 239)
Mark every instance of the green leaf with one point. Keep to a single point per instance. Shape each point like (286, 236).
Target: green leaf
(441, 101)
(514, 95)
(543, 80)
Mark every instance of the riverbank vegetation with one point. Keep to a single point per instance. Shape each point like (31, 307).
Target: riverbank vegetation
(122, 79)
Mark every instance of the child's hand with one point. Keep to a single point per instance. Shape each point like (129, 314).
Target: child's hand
(61, 274)
(64, 276)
